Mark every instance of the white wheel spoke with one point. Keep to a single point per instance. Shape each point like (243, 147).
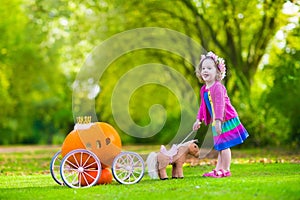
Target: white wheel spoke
(75, 160)
(87, 174)
(79, 180)
(86, 160)
(91, 170)
(71, 164)
(90, 164)
(81, 155)
(79, 176)
(128, 168)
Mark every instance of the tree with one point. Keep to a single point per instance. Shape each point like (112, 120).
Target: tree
(32, 84)
(52, 39)
(238, 31)
(284, 93)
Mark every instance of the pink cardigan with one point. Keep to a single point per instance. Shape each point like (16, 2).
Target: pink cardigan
(223, 110)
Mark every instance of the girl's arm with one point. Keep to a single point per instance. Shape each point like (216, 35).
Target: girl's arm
(200, 115)
(218, 126)
(196, 125)
(219, 102)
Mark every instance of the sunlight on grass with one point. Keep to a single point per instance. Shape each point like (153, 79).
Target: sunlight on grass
(259, 181)
(25, 175)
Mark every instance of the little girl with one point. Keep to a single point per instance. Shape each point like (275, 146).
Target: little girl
(215, 108)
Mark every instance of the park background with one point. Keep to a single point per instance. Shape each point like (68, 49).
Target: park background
(43, 44)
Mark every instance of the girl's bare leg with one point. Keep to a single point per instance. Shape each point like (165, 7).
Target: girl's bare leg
(226, 159)
(219, 162)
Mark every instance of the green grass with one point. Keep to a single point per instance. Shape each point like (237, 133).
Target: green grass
(25, 175)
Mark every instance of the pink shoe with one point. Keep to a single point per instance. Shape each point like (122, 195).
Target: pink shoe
(210, 174)
(226, 174)
(222, 174)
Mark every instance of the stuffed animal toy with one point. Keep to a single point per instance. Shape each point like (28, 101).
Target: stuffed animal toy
(176, 156)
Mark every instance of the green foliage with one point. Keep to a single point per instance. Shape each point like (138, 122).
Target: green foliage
(44, 44)
(32, 80)
(240, 33)
(275, 96)
(286, 93)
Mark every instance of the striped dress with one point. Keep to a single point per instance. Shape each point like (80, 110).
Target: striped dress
(233, 131)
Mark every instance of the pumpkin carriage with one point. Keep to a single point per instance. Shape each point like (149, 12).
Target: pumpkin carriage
(91, 154)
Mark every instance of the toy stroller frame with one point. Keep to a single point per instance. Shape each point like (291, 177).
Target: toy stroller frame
(82, 167)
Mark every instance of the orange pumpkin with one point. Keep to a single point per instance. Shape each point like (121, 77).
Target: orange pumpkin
(111, 133)
(73, 141)
(105, 178)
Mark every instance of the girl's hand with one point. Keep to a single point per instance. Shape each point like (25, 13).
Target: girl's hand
(196, 125)
(218, 127)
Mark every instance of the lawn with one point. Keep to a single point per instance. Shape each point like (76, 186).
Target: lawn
(256, 174)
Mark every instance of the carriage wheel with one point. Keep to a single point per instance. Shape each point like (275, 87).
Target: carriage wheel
(55, 166)
(128, 168)
(80, 168)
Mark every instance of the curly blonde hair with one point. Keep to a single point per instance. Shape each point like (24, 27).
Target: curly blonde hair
(198, 70)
